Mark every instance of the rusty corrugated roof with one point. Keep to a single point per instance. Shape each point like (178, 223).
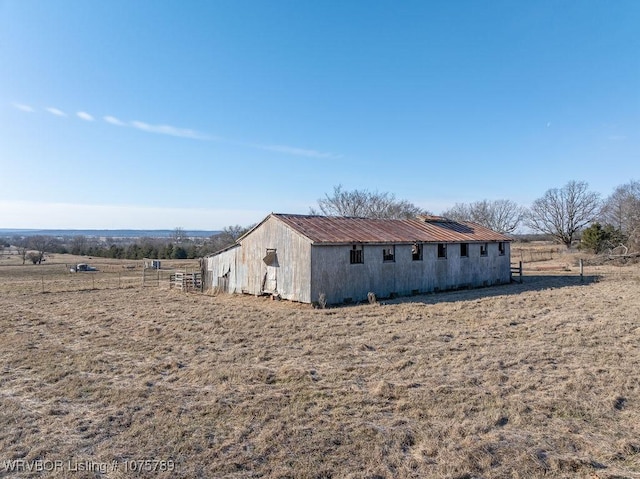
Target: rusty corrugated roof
(334, 229)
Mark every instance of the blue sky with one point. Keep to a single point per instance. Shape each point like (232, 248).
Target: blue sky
(202, 114)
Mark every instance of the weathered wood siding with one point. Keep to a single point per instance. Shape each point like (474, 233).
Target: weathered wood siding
(223, 270)
(275, 258)
(290, 273)
(334, 276)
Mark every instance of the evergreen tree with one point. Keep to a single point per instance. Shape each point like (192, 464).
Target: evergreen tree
(179, 253)
(597, 238)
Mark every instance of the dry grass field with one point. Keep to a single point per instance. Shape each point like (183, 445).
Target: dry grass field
(540, 379)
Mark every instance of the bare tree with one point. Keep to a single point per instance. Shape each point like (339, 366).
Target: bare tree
(562, 212)
(226, 237)
(179, 235)
(459, 212)
(235, 231)
(622, 211)
(79, 245)
(365, 204)
(22, 247)
(42, 244)
(22, 252)
(503, 216)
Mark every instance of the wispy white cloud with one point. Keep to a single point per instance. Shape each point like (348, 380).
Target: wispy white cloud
(291, 150)
(23, 107)
(83, 115)
(113, 120)
(189, 133)
(55, 111)
(170, 130)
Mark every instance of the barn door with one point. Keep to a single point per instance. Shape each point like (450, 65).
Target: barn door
(271, 283)
(223, 283)
(270, 280)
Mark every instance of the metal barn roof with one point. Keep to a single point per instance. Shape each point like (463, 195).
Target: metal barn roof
(426, 229)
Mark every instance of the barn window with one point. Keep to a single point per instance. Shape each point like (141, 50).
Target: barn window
(501, 248)
(464, 250)
(416, 252)
(356, 255)
(389, 253)
(270, 259)
(442, 250)
(484, 248)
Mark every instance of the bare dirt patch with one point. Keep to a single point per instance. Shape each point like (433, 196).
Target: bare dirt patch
(532, 380)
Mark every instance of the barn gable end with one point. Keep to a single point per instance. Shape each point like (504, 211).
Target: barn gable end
(271, 258)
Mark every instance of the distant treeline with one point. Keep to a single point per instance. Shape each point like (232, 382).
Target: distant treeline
(145, 249)
(116, 234)
(33, 248)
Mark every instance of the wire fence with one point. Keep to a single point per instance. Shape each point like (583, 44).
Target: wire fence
(59, 278)
(534, 255)
(47, 283)
(600, 272)
(85, 281)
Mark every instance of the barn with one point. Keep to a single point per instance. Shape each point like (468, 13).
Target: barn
(300, 257)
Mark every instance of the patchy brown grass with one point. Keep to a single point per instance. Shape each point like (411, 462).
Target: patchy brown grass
(54, 274)
(524, 381)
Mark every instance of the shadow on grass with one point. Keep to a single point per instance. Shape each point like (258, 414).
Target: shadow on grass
(536, 282)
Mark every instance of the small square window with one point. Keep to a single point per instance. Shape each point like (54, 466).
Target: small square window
(501, 248)
(464, 250)
(389, 253)
(442, 250)
(484, 248)
(356, 255)
(271, 259)
(416, 252)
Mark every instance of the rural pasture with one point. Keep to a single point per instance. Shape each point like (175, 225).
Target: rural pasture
(540, 379)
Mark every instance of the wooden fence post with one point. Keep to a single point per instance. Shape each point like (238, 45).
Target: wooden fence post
(581, 271)
(520, 271)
